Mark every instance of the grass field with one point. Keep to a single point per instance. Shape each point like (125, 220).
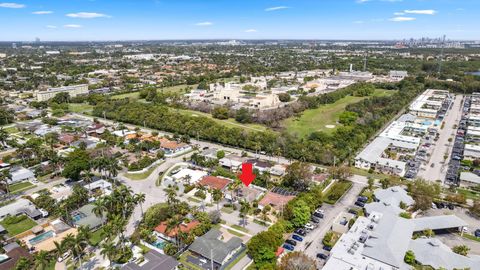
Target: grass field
(228, 122)
(13, 228)
(80, 108)
(337, 190)
(141, 176)
(318, 119)
(134, 95)
(21, 186)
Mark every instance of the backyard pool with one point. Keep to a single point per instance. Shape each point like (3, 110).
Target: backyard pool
(160, 244)
(41, 237)
(76, 216)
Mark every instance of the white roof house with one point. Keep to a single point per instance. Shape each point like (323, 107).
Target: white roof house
(195, 175)
(20, 174)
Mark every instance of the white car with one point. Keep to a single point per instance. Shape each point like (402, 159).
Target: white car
(309, 226)
(64, 256)
(320, 211)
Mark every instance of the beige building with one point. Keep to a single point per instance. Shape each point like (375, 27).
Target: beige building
(73, 90)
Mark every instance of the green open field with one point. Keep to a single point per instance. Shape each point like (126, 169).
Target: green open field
(318, 119)
(80, 108)
(228, 122)
(134, 95)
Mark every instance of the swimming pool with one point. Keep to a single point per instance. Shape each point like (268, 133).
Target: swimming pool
(160, 244)
(41, 237)
(77, 216)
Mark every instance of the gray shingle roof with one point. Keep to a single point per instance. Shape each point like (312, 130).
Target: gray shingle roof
(155, 261)
(210, 241)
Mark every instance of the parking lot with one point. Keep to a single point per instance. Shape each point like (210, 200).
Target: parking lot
(312, 242)
(434, 163)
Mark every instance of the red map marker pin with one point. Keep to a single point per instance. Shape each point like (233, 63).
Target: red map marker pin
(247, 175)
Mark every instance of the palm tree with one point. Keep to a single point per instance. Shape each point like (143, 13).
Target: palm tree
(244, 209)
(140, 199)
(109, 250)
(42, 259)
(59, 249)
(99, 208)
(174, 223)
(5, 176)
(171, 196)
(217, 196)
(112, 167)
(51, 139)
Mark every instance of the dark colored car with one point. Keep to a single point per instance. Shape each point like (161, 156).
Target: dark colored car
(327, 248)
(353, 212)
(362, 199)
(291, 242)
(288, 247)
(451, 206)
(315, 219)
(297, 238)
(477, 233)
(322, 256)
(318, 215)
(359, 203)
(301, 232)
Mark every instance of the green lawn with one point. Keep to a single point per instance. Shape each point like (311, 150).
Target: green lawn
(135, 95)
(235, 233)
(227, 122)
(232, 264)
(21, 186)
(469, 194)
(227, 210)
(240, 228)
(336, 191)
(96, 237)
(317, 119)
(80, 108)
(141, 176)
(17, 224)
(11, 130)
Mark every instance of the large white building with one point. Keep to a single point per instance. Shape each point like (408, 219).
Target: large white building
(429, 103)
(72, 90)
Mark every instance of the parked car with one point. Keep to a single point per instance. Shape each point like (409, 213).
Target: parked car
(318, 215)
(297, 238)
(320, 211)
(327, 248)
(301, 232)
(288, 247)
(359, 203)
(477, 233)
(322, 256)
(309, 226)
(451, 206)
(362, 199)
(315, 219)
(353, 211)
(291, 242)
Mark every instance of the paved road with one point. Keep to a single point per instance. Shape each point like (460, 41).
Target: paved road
(443, 146)
(331, 212)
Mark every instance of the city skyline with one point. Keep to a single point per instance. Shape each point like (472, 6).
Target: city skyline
(82, 20)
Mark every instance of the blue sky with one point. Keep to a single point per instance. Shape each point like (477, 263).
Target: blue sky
(23, 20)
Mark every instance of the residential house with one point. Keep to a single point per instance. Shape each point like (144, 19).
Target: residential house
(20, 174)
(169, 234)
(214, 182)
(153, 260)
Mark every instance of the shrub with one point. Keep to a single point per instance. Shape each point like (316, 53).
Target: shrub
(200, 194)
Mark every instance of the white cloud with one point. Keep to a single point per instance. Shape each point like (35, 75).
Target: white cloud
(251, 31)
(421, 11)
(72, 26)
(399, 13)
(12, 5)
(402, 19)
(42, 12)
(276, 8)
(51, 27)
(204, 24)
(362, 1)
(87, 15)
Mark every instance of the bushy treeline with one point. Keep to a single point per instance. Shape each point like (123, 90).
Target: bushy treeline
(319, 147)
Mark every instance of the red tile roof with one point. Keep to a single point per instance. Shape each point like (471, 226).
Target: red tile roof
(186, 228)
(275, 199)
(214, 182)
